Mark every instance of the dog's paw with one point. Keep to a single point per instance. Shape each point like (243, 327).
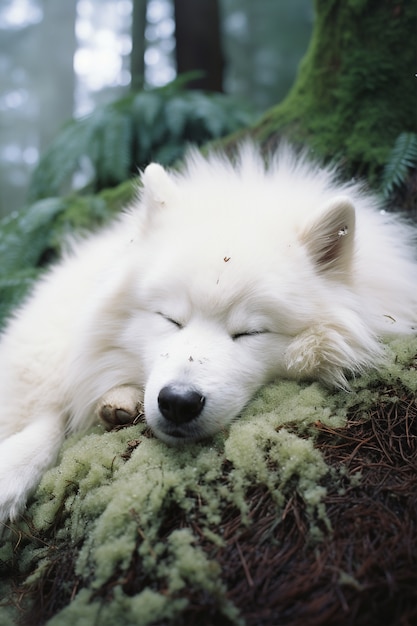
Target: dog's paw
(120, 406)
(16, 485)
(24, 458)
(12, 504)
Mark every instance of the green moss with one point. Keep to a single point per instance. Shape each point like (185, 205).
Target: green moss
(146, 608)
(8, 615)
(120, 504)
(352, 96)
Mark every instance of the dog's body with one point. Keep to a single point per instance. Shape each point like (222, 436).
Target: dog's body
(219, 280)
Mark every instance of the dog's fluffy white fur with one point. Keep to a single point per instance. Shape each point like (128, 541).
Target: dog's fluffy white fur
(219, 279)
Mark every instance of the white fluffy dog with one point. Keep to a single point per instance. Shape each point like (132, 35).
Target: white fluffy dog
(219, 279)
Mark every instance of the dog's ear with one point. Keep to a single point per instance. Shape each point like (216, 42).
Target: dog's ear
(158, 186)
(329, 237)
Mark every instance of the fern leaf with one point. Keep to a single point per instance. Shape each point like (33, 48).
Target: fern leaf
(403, 156)
(111, 143)
(26, 235)
(113, 140)
(148, 124)
(177, 112)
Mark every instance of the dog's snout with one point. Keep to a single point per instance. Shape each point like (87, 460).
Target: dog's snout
(180, 404)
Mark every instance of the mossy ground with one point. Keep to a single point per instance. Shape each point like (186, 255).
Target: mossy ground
(302, 512)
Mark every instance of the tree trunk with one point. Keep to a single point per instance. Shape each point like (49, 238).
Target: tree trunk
(198, 42)
(356, 89)
(137, 57)
(56, 79)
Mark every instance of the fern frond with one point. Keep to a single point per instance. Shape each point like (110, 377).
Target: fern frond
(115, 140)
(148, 123)
(26, 235)
(32, 237)
(178, 111)
(112, 139)
(403, 156)
(53, 174)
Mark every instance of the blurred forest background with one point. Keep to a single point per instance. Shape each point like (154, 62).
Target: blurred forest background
(66, 59)
(89, 91)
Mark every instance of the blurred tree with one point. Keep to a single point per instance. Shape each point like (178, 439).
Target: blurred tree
(262, 42)
(56, 78)
(37, 42)
(198, 42)
(137, 56)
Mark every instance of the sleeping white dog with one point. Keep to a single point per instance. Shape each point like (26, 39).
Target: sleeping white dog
(219, 279)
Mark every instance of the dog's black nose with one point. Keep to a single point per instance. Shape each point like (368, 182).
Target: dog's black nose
(180, 404)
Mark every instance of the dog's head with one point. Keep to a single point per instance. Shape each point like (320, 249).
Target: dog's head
(236, 285)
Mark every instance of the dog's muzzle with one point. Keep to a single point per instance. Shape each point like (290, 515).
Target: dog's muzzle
(180, 404)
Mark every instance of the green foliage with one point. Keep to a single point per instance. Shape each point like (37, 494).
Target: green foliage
(32, 237)
(24, 239)
(402, 158)
(112, 143)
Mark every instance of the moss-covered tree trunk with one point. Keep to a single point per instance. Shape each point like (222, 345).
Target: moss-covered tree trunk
(356, 87)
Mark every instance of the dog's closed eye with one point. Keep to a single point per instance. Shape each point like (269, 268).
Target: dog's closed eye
(171, 320)
(247, 333)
